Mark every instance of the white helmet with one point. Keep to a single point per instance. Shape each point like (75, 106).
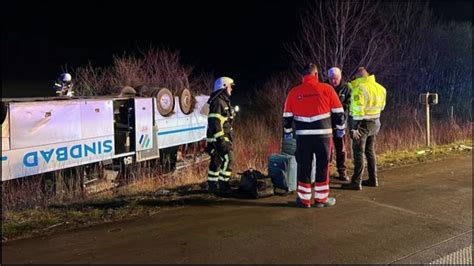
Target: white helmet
(65, 77)
(223, 83)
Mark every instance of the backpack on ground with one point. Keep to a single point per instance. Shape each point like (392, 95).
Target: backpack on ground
(255, 184)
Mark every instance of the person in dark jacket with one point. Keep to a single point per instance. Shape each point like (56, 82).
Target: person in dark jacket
(220, 136)
(344, 93)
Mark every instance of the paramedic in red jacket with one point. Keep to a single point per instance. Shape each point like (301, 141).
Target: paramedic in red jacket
(307, 115)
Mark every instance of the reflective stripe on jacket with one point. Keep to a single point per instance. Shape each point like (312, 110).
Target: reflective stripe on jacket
(310, 107)
(220, 117)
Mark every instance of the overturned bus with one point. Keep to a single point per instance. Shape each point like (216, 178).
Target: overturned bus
(47, 135)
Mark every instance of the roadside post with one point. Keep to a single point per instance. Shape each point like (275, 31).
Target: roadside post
(428, 99)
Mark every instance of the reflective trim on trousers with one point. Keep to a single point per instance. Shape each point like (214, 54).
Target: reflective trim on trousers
(304, 189)
(226, 163)
(313, 131)
(287, 114)
(321, 196)
(225, 179)
(304, 192)
(225, 174)
(213, 173)
(212, 178)
(321, 188)
(337, 110)
(304, 196)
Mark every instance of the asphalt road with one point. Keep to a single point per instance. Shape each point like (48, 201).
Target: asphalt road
(418, 214)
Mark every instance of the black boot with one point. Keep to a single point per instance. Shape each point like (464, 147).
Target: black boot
(212, 187)
(224, 188)
(370, 183)
(352, 186)
(342, 177)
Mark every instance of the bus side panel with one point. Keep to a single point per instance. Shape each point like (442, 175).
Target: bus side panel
(143, 124)
(6, 133)
(41, 123)
(97, 118)
(35, 160)
(180, 128)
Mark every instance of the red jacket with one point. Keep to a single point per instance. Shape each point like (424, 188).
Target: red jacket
(310, 106)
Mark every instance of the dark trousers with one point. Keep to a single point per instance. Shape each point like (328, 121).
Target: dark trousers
(306, 146)
(340, 151)
(365, 147)
(220, 167)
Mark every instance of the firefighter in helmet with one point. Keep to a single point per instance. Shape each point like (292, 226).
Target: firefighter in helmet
(219, 136)
(63, 85)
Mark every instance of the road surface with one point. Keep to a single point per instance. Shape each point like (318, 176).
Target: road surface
(418, 214)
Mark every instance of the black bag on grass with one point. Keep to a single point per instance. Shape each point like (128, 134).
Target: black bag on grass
(255, 184)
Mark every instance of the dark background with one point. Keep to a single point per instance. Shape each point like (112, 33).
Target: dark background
(241, 39)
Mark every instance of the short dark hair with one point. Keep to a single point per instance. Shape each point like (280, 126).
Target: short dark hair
(309, 69)
(361, 72)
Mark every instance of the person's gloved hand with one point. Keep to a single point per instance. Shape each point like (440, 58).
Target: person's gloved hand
(356, 134)
(340, 133)
(288, 136)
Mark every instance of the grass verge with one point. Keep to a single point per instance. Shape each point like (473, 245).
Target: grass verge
(132, 203)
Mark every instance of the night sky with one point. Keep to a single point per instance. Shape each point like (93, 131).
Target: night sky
(241, 39)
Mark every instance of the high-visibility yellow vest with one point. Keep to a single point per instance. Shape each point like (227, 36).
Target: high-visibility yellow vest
(367, 98)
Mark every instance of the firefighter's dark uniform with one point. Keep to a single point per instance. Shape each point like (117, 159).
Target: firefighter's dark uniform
(344, 93)
(310, 107)
(219, 140)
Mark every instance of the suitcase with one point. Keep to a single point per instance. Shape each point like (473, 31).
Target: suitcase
(282, 170)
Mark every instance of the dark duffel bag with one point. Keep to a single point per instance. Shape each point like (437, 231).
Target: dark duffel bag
(254, 184)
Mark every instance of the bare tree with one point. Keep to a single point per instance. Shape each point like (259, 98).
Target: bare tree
(163, 67)
(342, 33)
(91, 80)
(155, 67)
(270, 100)
(202, 82)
